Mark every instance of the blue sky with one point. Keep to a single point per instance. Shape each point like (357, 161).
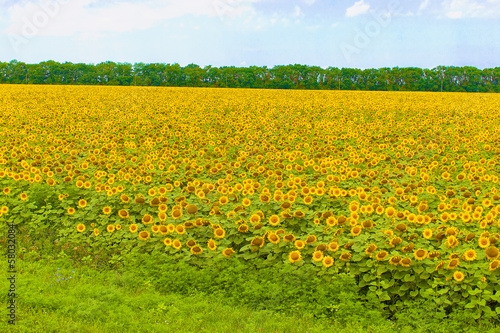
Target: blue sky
(343, 33)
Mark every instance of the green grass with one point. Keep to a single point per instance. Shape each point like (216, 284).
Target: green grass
(91, 300)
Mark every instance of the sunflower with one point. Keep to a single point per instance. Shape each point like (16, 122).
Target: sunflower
(211, 244)
(451, 242)
(147, 219)
(144, 235)
(492, 253)
(124, 198)
(243, 228)
(155, 229)
(123, 213)
(321, 247)
(484, 242)
(273, 238)
(274, 220)
(370, 249)
(440, 265)
(367, 224)
(494, 265)
(311, 239)
(394, 260)
(96, 232)
(395, 241)
(80, 227)
(405, 262)
(6, 190)
(294, 256)
(331, 221)
(110, 228)
(257, 241)
(196, 250)
(408, 248)
(427, 233)
(327, 261)
(420, 254)
(453, 263)
(264, 198)
(299, 214)
(317, 256)
(106, 210)
(458, 276)
(176, 244)
(381, 255)
(163, 208)
(180, 229)
(162, 216)
(219, 233)
(345, 256)
(139, 200)
(255, 218)
(133, 228)
(390, 212)
(23, 196)
(191, 209)
(167, 242)
(469, 255)
(289, 238)
(433, 254)
(356, 231)
(71, 211)
(333, 246)
(299, 244)
(308, 200)
(246, 202)
(401, 227)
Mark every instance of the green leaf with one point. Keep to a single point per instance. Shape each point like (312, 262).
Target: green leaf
(381, 270)
(443, 291)
(471, 305)
(477, 315)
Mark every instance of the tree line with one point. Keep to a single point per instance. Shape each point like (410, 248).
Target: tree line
(441, 78)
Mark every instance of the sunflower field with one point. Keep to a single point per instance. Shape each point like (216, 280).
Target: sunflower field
(398, 189)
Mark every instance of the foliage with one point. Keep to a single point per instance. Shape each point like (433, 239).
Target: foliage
(440, 78)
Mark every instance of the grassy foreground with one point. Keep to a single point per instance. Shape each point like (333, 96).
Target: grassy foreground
(56, 296)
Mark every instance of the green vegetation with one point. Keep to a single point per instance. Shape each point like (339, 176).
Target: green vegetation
(441, 78)
(57, 295)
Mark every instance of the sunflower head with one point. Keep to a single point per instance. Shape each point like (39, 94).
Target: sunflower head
(381, 255)
(227, 252)
(294, 256)
(492, 253)
(458, 276)
(469, 255)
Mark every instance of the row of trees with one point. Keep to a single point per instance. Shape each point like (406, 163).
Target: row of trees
(441, 78)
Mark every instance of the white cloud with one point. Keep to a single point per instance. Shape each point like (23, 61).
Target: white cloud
(309, 2)
(454, 15)
(334, 25)
(456, 9)
(90, 17)
(296, 11)
(359, 7)
(424, 5)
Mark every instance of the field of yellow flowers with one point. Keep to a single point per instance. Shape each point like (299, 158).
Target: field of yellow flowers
(399, 189)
